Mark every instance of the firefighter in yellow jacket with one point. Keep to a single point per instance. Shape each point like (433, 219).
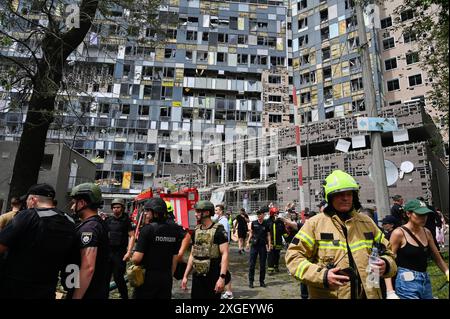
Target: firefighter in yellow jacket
(330, 254)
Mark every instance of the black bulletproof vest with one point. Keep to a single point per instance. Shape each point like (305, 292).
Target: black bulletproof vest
(164, 242)
(118, 231)
(259, 232)
(44, 251)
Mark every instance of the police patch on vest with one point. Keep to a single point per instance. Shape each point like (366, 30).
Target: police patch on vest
(86, 237)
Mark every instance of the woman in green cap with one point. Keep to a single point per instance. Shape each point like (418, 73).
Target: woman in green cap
(413, 244)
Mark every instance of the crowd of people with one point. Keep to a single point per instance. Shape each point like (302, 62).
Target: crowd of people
(342, 251)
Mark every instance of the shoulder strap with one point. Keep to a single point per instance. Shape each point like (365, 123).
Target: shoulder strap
(412, 236)
(354, 280)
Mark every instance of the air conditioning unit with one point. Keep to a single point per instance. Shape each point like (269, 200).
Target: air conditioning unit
(386, 35)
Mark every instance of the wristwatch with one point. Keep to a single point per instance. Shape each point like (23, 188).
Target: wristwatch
(223, 276)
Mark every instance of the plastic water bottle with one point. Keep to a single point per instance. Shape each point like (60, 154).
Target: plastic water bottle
(373, 275)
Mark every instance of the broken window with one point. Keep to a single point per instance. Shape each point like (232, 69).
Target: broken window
(275, 98)
(302, 23)
(324, 33)
(191, 35)
(274, 118)
(242, 39)
(222, 38)
(242, 58)
(329, 112)
(219, 115)
(328, 93)
(326, 53)
(165, 111)
(356, 84)
(303, 40)
(188, 56)
(125, 108)
(276, 60)
(187, 114)
(221, 57)
(358, 105)
(355, 64)
(351, 22)
(323, 15)
(205, 114)
(166, 92)
(302, 4)
(327, 73)
(202, 56)
(169, 53)
(275, 79)
(262, 40)
(305, 97)
(144, 110)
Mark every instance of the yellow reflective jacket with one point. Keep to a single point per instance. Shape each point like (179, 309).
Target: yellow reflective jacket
(321, 242)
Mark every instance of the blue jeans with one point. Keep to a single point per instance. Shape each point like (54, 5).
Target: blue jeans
(417, 288)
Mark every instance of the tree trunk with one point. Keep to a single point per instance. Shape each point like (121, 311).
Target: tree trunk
(56, 48)
(32, 141)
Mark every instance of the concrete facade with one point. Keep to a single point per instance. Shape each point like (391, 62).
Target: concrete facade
(62, 168)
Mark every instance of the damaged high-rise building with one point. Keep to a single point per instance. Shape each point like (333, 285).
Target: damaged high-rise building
(224, 72)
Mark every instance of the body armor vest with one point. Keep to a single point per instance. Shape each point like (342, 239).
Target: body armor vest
(204, 249)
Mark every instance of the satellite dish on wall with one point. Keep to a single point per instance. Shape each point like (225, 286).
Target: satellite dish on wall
(391, 172)
(406, 167)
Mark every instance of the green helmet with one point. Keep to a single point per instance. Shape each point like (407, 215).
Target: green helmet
(89, 191)
(205, 205)
(339, 181)
(117, 201)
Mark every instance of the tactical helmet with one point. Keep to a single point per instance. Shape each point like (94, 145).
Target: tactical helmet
(169, 207)
(157, 205)
(117, 201)
(205, 205)
(88, 191)
(339, 181)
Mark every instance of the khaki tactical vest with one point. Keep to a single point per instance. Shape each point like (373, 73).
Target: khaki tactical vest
(204, 249)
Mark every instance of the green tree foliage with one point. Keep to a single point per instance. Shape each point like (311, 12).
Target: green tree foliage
(430, 26)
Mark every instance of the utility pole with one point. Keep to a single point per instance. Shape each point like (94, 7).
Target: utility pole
(297, 123)
(378, 169)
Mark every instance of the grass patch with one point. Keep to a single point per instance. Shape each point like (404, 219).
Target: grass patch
(438, 278)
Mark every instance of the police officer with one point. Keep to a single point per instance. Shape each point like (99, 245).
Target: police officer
(259, 237)
(121, 243)
(37, 240)
(157, 249)
(91, 248)
(209, 255)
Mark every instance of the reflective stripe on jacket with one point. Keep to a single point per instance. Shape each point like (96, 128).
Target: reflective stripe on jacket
(321, 242)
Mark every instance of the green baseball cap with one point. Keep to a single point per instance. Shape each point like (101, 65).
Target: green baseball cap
(417, 206)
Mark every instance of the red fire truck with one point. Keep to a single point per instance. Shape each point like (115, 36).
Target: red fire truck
(182, 201)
